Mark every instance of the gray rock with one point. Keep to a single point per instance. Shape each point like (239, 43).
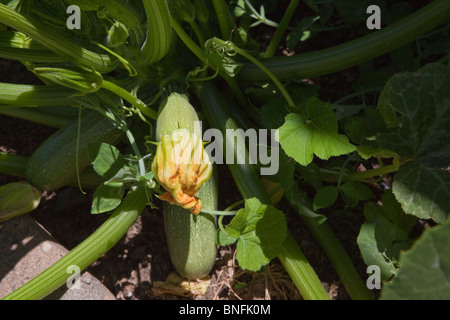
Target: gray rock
(26, 250)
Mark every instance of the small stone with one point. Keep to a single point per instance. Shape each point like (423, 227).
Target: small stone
(26, 250)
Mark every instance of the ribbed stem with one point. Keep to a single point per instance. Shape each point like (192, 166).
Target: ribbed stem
(12, 164)
(339, 258)
(35, 95)
(300, 271)
(226, 23)
(35, 116)
(31, 55)
(159, 31)
(56, 43)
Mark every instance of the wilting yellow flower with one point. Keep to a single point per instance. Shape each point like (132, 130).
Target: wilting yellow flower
(181, 165)
(17, 198)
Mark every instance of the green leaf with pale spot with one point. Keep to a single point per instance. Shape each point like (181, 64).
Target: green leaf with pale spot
(423, 192)
(317, 135)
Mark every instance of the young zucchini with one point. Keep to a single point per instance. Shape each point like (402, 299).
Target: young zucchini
(189, 185)
(53, 164)
(191, 239)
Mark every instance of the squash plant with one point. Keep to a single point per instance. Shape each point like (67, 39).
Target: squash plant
(109, 67)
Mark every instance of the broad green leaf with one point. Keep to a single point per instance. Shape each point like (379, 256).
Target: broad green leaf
(424, 269)
(106, 159)
(274, 110)
(317, 134)
(126, 174)
(311, 173)
(380, 243)
(419, 105)
(223, 239)
(107, 197)
(245, 220)
(254, 228)
(249, 253)
(355, 130)
(273, 113)
(325, 197)
(423, 192)
(372, 149)
(392, 210)
(371, 209)
(356, 191)
(346, 111)
(301, 93)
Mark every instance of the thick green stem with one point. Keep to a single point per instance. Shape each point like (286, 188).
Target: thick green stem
(340, 57)
(226, 23)
(374, 172)
(198, 32)
(159, 31)
(87, 252)
(363, 176)
(187, 40)
(35, 95)
(300, 271)
(30, 55)
(12, 164)
(276, 38)
(339, 258)
(57, 43)
(35, 116)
